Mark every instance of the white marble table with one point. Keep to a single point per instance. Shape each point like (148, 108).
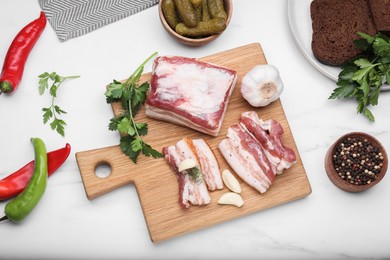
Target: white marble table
(329, 223)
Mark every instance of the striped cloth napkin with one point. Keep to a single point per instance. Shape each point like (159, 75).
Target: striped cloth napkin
(73, 18)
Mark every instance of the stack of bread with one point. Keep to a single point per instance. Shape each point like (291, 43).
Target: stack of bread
(335, 25)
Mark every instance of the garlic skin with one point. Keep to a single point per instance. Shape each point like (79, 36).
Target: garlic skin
(262, 85)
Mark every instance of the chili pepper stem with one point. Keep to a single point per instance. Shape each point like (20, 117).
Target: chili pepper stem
(3, 218)
(5, 87)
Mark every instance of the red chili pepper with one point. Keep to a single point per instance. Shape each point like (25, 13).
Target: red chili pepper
(15, 183)
(18, 52)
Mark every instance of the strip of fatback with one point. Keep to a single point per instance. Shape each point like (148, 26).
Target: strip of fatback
(190, 190)
(269, 135)
(246, 156)
(208, 164)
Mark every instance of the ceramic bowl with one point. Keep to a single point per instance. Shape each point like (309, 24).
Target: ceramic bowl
(345, 184)
(192, 41)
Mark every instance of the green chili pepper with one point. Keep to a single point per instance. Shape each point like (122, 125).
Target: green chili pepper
(18, 208)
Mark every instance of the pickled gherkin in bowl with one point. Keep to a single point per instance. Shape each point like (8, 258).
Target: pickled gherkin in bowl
(195, 22)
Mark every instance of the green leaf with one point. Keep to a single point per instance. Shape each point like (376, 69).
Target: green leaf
(345, 89)
(59, 110)
(147, 150)
(58, 125)
(363, 63)
(365, 88)
(347, 72)
(375, 96)
(140, 93)
(47, 114)
(113, 125)
(368, 38)
(115, 90)
(125, 145)
(368, 114)
(44, 75)
(381, 47)
(43, 85)
(136, 145)
(142, 130)
(52, 76)
(53, 90)
(362, 44)
(124, 125)
(360, 74)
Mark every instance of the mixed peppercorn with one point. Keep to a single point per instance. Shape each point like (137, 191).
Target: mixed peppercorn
(357, 161)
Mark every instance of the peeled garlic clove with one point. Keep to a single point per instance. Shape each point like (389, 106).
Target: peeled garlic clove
(231, 198)
(230, 181)
(187, 164)
(262, 85)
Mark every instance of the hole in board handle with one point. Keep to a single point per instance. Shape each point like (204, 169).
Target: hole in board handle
(103, 170)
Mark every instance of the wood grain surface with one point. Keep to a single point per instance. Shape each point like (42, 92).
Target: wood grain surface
(156, 184)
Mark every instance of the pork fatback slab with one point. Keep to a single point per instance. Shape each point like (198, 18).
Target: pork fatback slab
(189, 92)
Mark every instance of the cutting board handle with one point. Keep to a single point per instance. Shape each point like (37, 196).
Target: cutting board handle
(89, 161)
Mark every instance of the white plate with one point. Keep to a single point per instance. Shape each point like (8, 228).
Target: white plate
(300, 23)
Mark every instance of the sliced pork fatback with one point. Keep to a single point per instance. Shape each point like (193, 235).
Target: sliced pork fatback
(255, 151)
(208, 164)
(189, 92)
(269, 134)
(245, 155)
(190, 190)
(194, 190)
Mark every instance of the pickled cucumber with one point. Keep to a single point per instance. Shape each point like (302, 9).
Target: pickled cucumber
(217, 9)
(169, 10)
(196, 2)
(186, 13)
(205, 11)
(204, 28)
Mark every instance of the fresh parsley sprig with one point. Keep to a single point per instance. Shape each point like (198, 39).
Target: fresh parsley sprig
(132, 96)
(53, 111)
(363, 77)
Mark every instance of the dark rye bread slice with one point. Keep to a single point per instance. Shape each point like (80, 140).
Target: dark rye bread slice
(335, 25)
(380, 10)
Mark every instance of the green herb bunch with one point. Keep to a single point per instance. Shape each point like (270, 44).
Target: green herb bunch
(132, 96)
(53, 111)
(363, 77)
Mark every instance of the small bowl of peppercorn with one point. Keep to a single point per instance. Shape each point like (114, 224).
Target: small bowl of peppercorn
(356, 162)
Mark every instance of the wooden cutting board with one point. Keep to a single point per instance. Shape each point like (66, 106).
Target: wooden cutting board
(157, 185)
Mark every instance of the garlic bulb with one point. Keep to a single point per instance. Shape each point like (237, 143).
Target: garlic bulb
(262, 85)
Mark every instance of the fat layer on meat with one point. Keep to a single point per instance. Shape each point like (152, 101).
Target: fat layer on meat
(189, 92)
